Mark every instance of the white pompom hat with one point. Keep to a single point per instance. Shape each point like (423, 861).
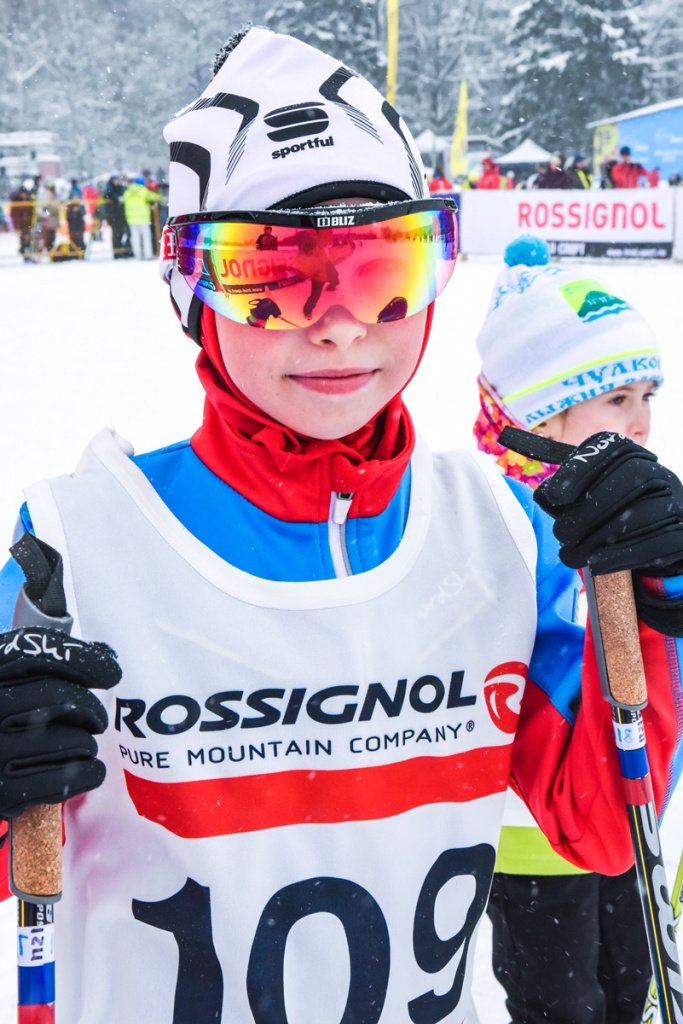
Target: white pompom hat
(282, 125)
(554, 337)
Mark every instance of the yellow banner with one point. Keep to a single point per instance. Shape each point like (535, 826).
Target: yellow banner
(458, 163)
(392, 49)
(605, 141)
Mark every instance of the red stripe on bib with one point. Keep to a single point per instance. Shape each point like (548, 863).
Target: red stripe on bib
(216, 807)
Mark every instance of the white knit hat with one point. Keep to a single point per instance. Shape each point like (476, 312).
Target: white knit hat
(283, 125)
(554, 337)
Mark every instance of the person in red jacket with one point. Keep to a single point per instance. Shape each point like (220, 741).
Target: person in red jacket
(626, 174)
(491, 176)
(440, 182)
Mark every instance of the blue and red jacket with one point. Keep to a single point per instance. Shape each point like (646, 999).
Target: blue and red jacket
(263, 545)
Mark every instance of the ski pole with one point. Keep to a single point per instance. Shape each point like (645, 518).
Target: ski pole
(35, 837)
(651, 1003)
(612, 612)
(614, 624)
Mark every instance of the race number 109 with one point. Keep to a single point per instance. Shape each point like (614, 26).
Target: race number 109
(199, 986)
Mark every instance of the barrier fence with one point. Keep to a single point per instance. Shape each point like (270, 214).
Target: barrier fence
(619, 224)
(53, 231)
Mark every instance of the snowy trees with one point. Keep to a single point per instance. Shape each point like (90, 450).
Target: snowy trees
(349, 31)
(665, 46)
(106, 77)
(440, 43)
(569, 63)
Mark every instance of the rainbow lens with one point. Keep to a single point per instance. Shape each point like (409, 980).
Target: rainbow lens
(280, 270)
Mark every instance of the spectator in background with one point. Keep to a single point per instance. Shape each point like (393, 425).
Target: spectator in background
(491, 176)
(75, 218)
(606, 180)
(157, 221)
(48, 211)
(137, 205)
(22, 212)
(112, 211)
(555, 175)
(580, 176)
(471, 180)
(440, 182)
(75, 190)
(91, 201)
(625, 173)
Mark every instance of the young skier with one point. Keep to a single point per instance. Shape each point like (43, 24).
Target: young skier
(566, 358)
(324, 632)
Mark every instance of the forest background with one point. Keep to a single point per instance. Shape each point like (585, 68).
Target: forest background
(107, 77)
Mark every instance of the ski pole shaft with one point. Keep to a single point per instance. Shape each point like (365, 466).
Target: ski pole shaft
(35, 877)
(652, 1003)
(614, 623)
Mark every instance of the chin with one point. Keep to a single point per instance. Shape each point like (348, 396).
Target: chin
(328, 431)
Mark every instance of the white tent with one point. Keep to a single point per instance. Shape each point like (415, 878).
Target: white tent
(429, 142)
(526, 153)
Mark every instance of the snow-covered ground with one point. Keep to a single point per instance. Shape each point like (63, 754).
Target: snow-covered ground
(93, 344)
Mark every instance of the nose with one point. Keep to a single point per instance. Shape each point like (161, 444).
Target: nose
(639, 427)
(337, 326)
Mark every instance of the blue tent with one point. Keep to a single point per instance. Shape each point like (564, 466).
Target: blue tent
(654, 135)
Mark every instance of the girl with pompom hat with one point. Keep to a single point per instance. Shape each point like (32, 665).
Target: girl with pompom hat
(565, 357)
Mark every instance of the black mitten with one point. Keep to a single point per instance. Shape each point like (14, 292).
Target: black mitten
(48, 716)
(615, 507)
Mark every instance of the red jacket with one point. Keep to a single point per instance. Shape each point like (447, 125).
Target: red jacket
(440, 183)
(625, 175)
(491, 177)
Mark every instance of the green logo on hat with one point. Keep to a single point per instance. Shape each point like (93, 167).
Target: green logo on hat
(590, 301)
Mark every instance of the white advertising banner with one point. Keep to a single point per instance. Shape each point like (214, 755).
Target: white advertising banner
(678, 223)
(621, 223)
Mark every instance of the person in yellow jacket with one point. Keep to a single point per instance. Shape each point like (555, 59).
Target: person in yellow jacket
(137, 206)
(579, 172)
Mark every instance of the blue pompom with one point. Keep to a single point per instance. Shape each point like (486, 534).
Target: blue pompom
(531, 251)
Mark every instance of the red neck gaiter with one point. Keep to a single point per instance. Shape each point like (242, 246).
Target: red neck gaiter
(286, 475)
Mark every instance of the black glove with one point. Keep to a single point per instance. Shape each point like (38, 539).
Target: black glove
(615, 507)
(48, 716)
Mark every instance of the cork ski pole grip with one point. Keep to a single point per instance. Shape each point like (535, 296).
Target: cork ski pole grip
(35, 837)
(36, 854)
(618, 621)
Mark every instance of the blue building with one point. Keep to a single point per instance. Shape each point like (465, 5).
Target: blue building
(654, 135)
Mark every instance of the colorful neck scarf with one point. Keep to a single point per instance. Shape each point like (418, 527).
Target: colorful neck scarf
(488, 425)
(289, 476)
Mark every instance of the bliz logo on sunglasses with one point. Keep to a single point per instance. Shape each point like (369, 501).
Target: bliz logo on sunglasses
(339, 221)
